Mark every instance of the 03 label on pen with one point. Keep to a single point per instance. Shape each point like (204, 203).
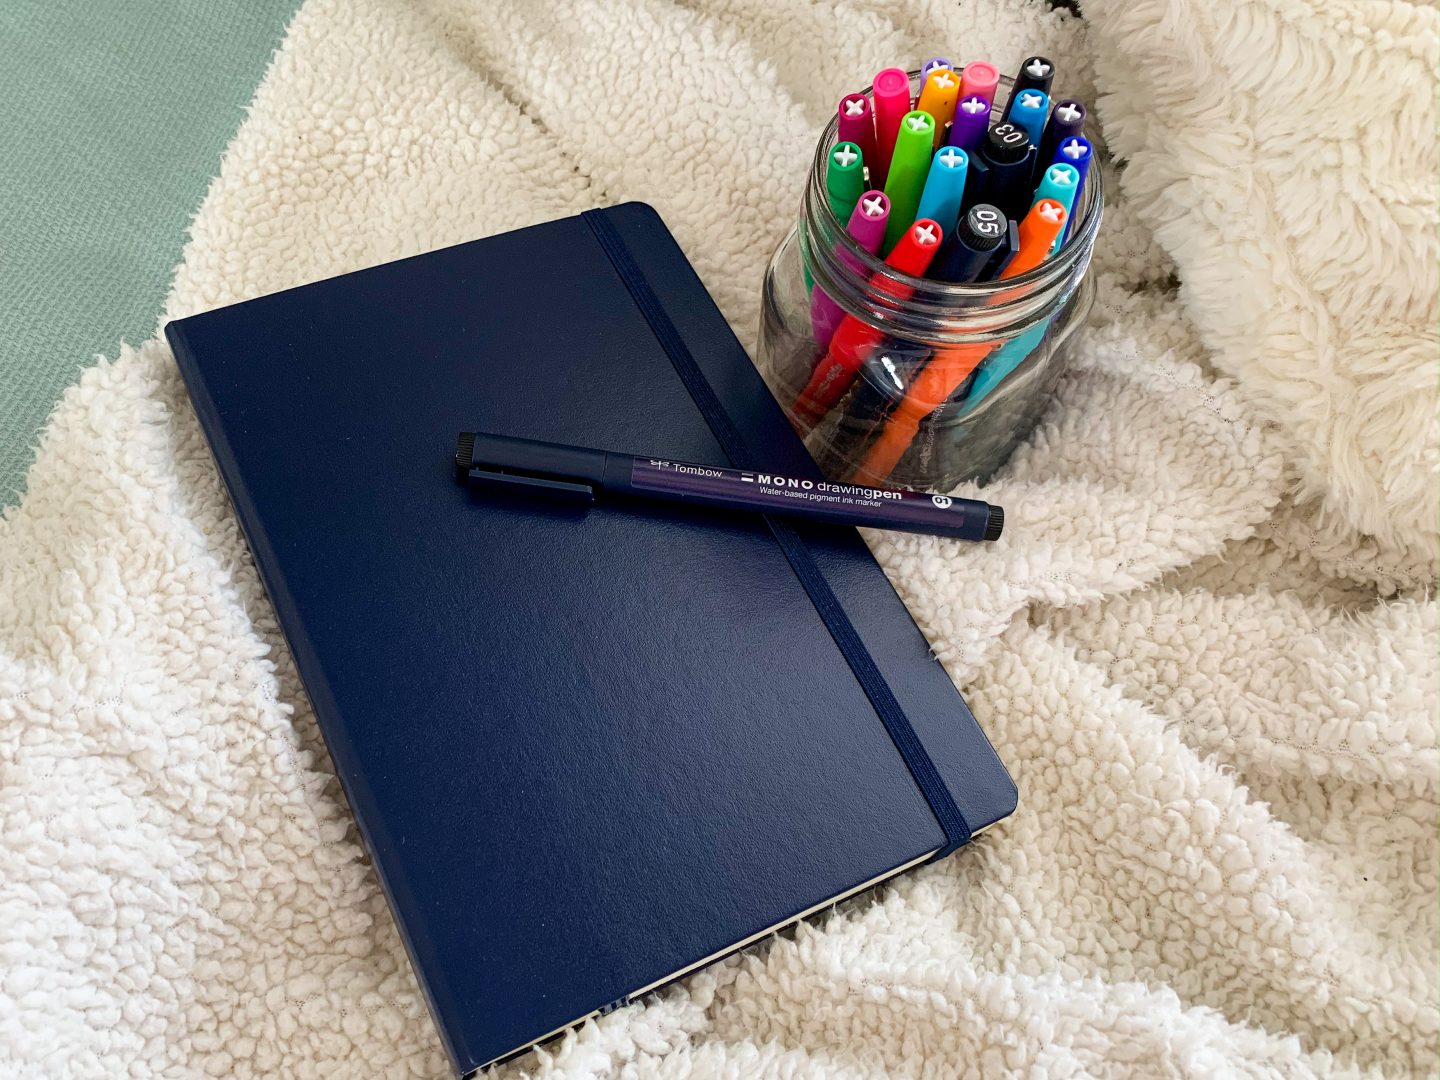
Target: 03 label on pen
(761, 488)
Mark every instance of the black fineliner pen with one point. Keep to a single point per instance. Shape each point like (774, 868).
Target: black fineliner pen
(577, 474)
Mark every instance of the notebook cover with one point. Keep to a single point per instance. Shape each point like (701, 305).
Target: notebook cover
(585, 749)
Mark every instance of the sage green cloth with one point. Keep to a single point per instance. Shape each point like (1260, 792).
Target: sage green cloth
(115, 115)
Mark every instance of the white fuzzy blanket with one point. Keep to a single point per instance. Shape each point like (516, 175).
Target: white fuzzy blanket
(1206, 647)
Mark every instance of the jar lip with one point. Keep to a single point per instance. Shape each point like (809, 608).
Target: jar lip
(1049, 272)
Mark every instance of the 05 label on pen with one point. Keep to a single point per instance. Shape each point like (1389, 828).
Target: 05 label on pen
(761, 489)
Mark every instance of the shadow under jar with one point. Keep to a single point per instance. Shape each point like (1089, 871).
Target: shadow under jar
(896, 425)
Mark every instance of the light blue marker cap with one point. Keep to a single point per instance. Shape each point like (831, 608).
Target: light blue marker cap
(1060, 182)
(1029, 111)
(944, 188)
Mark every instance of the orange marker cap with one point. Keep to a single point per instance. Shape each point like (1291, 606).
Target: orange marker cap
(1037, 235)
(938, 97)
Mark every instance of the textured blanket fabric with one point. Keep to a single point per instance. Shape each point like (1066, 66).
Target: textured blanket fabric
(1206, 646)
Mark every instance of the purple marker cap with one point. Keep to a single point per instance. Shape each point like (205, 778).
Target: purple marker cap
(867, 228)
(857, 125)
(931, 65)
(972, 121)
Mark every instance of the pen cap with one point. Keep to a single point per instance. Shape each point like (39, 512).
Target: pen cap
(1034, 73)
(856, 118)
(979, 79)
(970, 123)
(911, 320)
(891, 93)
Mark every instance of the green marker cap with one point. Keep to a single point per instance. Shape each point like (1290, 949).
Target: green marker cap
(844, 179)
(908, 167)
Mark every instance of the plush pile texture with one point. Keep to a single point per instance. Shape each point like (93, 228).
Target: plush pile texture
(1206, 645)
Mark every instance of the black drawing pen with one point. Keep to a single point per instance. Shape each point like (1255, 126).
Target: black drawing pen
(577, 474)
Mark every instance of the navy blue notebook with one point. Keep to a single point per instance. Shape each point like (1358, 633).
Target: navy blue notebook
(589, 751)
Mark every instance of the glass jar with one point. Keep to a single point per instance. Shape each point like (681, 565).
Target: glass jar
(962, 373)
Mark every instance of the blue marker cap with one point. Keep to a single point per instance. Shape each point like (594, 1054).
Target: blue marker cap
(944, 187)
(1028, 112)
(1078, 152)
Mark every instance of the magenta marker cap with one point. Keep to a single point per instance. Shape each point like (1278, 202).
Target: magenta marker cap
(867, 228)
(868, 220)
(857, 125)
(972, 121)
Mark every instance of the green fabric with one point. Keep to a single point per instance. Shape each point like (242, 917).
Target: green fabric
(115, 116)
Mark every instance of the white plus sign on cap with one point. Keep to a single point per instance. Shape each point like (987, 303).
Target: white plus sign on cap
(855, 107)
(950, 157)
(1037, 69)
(1052, 213)
(1060, 177)
(974, 106)
(925, 234)
(1031, 99)
(943, 79)
(874, 206)
(845, 157)
(1073, 150)
(918, 123)
(1068, 112)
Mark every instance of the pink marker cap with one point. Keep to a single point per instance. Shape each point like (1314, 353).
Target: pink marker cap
(979, 80)
(892, 102)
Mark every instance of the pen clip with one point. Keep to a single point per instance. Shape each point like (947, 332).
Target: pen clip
(570, 491)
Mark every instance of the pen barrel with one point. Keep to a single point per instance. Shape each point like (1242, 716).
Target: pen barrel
(809, 498)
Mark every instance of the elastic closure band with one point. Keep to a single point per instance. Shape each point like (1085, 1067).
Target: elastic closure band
(867, 673)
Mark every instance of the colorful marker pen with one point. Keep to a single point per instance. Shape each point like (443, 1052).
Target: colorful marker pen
(1036, 73)
(979, 79)
(855, 340)
(856, 125)
(937, 97)
(965, 255)
(1059, 182)
(581, 475)
(951, 366)
(1005, 160)
(1076, 151)
(892, 102)
(908, 166)
(944, 188)
(844, 178)
(933, 64)
(971, 122)
(1066, 121)
(1028, 112)
(1037, 236)
(867, 228)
